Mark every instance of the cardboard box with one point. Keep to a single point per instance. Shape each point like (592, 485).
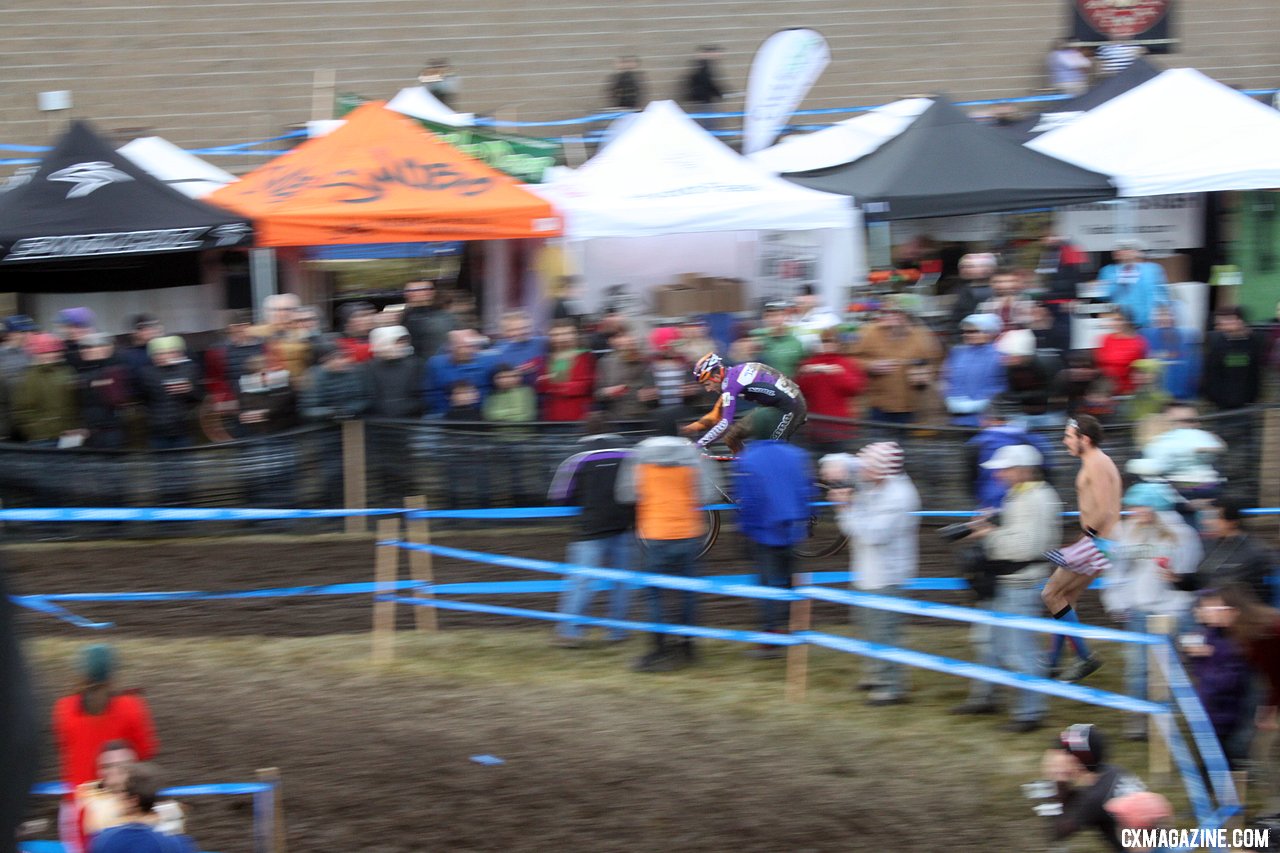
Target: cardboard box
(726, 295)
(1176, 267)
(676, 300)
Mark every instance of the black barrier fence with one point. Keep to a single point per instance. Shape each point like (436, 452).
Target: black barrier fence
(476, 465)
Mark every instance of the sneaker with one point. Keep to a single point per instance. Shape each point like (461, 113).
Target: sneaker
(1050, 670)
(657, 661)
(1081, 669)
(974, 707)
(1021, 727)
(882, 696)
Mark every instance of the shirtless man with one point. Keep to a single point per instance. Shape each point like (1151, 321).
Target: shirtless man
(1098, 490)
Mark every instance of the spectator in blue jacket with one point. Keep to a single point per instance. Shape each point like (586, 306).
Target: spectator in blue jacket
(973, 373)
(520, 348)
(1135, 286)
(1178, 350)
(773, 486)
(461, 361)
(1001, 427)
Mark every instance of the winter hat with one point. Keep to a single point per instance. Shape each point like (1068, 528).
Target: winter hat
(1158, 496)
(883, 459)
(383, 338)
(663, 337)
(97, 663)
(1017, 342)
(988, 324)
(1085, 742)
(846, 463)
(44, 343)
(81, 318)
(167, 343)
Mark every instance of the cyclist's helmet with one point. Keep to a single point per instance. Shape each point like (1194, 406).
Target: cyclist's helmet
(709, 368)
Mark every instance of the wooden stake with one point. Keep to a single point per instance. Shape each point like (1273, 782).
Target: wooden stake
(1158, 761)
(1269, 479)
(421, 564)
(386, 570)
(278, 840)
(353, 474)
(798, 655)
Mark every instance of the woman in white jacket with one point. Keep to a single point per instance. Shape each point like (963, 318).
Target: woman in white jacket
(1153, 537)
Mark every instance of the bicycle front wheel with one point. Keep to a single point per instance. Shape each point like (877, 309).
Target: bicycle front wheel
(824, 537)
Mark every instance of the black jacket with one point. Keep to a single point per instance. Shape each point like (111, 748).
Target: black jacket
(1238, 559)
(1233, 370)
(394, 387)
(701, 86)
(333, 394)
(170, 414)
(587, 479)
(428, 327)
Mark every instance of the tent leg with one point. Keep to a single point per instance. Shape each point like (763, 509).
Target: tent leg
(262, 277)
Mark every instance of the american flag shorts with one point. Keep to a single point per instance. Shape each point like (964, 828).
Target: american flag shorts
(1082, 557)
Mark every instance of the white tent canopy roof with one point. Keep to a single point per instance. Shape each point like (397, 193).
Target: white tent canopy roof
(1179, 132)
(417, 102)
(666, 175)
(844, 142)
(186, 173)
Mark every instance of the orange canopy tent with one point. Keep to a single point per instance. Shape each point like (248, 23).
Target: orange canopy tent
(381, 178)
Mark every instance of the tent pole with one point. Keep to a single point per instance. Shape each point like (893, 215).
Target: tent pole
(262, 278)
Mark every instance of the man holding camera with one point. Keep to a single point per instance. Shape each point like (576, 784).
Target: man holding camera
(1029, 520)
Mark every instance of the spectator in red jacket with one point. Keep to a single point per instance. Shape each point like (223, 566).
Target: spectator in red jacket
(90, 718)
(1117, 351)
(567, 385)
(831, 383)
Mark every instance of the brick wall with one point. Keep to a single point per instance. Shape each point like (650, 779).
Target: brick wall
(222, 71)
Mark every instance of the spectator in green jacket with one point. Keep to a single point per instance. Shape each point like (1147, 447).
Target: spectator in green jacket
(779, 349)
(44, 396)
(511, 401)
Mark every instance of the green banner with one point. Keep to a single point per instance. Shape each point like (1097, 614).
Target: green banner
(526, 158)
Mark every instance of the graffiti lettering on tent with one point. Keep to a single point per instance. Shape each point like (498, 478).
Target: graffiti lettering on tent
(429, 177)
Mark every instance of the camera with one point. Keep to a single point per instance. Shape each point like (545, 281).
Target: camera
(961, 529)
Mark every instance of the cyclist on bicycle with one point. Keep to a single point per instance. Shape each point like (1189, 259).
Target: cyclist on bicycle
(751, 381)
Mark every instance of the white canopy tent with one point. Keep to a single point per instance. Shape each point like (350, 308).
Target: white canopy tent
(665, 197)
(186, 173)
(1180, 132)
(417, 102)
(844, 142)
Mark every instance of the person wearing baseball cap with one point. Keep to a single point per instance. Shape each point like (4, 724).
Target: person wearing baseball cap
(1076, 764)
(1029, 518)
(879, 518)
(14, 357)
(973, 373)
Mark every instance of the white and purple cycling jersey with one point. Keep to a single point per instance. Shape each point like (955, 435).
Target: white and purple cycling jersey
(762, 385)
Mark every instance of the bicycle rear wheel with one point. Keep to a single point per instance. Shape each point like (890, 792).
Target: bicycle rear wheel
(824, 537)
(709, 537)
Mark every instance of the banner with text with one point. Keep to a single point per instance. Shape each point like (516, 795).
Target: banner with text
(782, 73)
(1160, 223)
(1146, 22)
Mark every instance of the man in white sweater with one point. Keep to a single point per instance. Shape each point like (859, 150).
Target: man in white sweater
(878, 516)
(1030, 524)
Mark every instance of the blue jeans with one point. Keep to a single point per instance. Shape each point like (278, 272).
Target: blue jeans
(884, 627)
(775, 562)
(611, 552)
(1015, 649)
(672, 557)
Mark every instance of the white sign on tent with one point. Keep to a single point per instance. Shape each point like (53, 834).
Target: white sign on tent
(1160, 223)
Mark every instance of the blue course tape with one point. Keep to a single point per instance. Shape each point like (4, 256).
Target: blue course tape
(42, 605)
(181, 514)
(981, 672)
(230, 789)
(759, 637)
(1187, 768)
(196, 595)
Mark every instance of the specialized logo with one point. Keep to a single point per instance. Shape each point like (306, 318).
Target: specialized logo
(88, 177)
(230, 234)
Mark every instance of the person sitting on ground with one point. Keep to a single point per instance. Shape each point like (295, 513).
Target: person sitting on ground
(669, 480)
(606, 537)
(773, 486)
(140, 830)
(87, 720)
(1076, 765)
(876, 509)
(753, 382)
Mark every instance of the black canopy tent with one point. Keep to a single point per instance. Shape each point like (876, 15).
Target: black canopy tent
(946, 164)
(90, 220)
(1057, 113)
